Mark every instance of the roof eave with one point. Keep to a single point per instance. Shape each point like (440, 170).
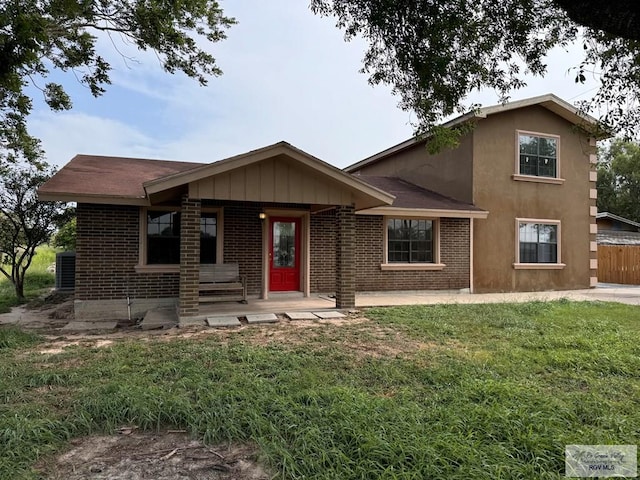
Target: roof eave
(425, 212)
(87, 198)
(618, 218)
(411, 142)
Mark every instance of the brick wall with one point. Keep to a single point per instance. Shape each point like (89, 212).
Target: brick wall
(243, 242)
(107, 252)
(454, 252)
(323, 252)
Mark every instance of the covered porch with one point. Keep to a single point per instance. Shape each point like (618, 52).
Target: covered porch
(267, 203)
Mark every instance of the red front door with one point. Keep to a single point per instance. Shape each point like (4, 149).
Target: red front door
(284, 254)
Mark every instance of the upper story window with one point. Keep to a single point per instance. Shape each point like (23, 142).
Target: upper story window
(537, 155)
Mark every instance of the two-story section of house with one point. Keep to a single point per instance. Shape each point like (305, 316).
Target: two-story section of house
(531, 165)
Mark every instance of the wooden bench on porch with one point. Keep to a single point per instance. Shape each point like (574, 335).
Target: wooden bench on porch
(222, 278)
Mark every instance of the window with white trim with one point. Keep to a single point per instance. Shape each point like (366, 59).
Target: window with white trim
(538, 242)
(410, 240)
(538, 155)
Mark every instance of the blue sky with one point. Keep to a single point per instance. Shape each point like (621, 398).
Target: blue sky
(288, 75)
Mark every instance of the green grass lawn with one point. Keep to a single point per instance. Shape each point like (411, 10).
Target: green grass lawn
(36, 281)
(428, 392)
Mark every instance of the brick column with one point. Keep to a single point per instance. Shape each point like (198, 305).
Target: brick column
(189, 258)
(345, 257)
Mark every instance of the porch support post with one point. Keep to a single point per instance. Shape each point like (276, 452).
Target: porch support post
(189, 258)
(345, 257)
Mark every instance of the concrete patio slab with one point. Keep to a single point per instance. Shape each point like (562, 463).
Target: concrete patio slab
(192, 322)
(300, 316)
(223, 321)
(14, 316)
(329, 314)
(83, 326)
(262, 318)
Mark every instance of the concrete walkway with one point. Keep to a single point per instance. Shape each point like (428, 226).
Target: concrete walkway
(629, 294)
(607, 293)
(283, 303)
(295, 302)
(280, 304)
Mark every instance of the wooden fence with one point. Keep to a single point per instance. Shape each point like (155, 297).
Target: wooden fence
(619, 264)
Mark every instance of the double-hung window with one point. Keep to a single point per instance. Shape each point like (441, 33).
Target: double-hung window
(538, 157)
(538, 243)
(162, 237)
(410, 240)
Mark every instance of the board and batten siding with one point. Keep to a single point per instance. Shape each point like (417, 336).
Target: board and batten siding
(271, 180)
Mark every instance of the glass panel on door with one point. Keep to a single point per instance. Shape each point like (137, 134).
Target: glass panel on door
(284, 244)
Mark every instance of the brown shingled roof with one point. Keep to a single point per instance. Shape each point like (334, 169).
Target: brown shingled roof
(118, 177)
(617, 237)
(131, 181)
(409, 195)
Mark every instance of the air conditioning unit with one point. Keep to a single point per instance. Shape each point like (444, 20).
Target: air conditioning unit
(66, 271)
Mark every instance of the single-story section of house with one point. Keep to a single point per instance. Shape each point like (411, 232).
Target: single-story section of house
(616, 230)
(618, 249)
(291, 223)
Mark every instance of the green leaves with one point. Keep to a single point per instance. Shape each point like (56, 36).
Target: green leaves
(39, 35)
(25, 223)
(435, 52)
(56, 97)
(619, 179)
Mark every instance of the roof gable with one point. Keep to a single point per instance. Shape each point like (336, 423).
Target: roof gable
(130, 181)
(276, 173)
(549, 101)
(617, 218)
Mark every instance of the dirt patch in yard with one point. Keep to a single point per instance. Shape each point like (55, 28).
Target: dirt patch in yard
(355, 334)
(133, 455)
(58, 346)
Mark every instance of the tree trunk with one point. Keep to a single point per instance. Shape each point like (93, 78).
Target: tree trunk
(19, 287)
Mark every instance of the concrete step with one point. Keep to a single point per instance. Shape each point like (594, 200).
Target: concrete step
(85, 326)
(159, 318)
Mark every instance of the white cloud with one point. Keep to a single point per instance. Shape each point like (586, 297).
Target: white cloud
(67, 134)
(288, 75)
